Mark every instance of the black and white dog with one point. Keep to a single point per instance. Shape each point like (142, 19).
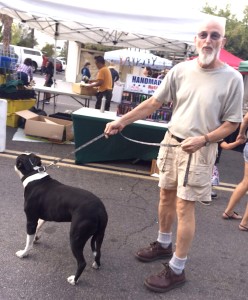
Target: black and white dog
(46, 199)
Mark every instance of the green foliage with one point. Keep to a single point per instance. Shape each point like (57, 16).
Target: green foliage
(23, 36)
(64, 51)
(236, 30)
(16, 33)
(48, 50)
(99, 47)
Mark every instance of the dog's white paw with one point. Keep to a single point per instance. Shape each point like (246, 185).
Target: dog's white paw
(21, 253)
(95, 266)
(71, 280)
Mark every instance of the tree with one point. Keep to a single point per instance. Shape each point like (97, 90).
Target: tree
(16, 33)
(27, 38)
(6, 37)
(48, 50)
(64, 51)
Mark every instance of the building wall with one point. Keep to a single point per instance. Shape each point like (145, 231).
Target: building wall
(76, 59)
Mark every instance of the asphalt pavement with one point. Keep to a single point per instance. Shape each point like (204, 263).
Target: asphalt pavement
(217, 264)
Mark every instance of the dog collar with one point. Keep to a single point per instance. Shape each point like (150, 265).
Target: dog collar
(34, 177)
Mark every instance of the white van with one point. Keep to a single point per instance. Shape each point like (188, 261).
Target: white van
(34, 54)
(21, 53)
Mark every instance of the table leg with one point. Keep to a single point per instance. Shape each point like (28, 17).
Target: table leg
(38, 100)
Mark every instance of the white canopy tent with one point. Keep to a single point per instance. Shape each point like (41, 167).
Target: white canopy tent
(137, 57)
(112, 23)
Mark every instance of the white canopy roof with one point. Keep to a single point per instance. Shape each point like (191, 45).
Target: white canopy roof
(137, 57)
(135, 24)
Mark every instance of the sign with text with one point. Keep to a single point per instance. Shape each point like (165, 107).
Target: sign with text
(140, 84)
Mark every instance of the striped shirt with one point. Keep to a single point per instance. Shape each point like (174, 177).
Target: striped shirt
(25, 69)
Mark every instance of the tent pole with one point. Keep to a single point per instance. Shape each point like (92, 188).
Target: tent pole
(56, 34)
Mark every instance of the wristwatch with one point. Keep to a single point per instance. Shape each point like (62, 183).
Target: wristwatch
(207, 143)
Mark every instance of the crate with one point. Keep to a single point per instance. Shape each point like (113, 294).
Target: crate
(2, 79)
(63, 116)
(5, 62)
(80, 89)
(17, 105)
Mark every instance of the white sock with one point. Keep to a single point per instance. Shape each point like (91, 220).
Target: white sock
(177, 264)
(164, 239)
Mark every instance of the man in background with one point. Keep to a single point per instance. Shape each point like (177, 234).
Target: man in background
(115, 75)
(103, 82)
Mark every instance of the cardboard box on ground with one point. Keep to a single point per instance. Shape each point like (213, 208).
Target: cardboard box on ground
(58, 130)
(81, 89)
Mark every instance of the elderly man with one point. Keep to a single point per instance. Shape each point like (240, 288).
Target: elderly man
(207, 106)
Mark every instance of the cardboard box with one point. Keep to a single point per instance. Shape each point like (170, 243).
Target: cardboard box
(83, 90)
(55, 129)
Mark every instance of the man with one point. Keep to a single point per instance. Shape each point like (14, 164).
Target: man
(114, 74)
(103, 82)
(207, 106)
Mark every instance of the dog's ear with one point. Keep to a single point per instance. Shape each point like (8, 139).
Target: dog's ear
(19, 162)
(35, 160)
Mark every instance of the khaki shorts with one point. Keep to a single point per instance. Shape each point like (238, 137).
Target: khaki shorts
(172, 164)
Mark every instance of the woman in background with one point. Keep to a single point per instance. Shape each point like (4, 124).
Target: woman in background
(24, 71)
(242, 187)
(147, 72)
(48, 80)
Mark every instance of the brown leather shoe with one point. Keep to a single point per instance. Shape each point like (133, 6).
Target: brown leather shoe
(165, 280)
(153, 252)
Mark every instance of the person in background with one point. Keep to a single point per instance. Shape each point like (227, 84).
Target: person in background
(48, 80)
(114, 74)
(185, 166)
(24, 71)
(224, 144)
(147, 72)
(44, 63)
(85, 72)
(103, 82)
(161, 75)
(242, 187)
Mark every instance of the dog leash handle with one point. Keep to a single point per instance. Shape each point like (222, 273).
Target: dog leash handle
(186, 176)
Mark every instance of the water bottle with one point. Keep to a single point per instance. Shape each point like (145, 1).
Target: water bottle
(103, 104)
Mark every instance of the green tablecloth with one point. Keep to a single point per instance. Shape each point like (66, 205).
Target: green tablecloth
(89, 123)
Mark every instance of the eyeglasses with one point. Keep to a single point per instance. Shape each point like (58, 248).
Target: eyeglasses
(215, 36)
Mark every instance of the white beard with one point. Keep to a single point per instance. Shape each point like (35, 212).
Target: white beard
(206, 58)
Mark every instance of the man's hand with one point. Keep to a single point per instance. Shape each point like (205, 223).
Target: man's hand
(192, 144)
(113, 128)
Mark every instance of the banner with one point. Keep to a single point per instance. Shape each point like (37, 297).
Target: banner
(140, 84)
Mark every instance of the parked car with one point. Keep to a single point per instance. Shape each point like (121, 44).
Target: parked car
(63, 61)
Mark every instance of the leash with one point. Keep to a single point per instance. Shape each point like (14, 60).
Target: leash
(99, 137)
(148, 144)
(131, 140)
(76, 150)
(186, 176)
